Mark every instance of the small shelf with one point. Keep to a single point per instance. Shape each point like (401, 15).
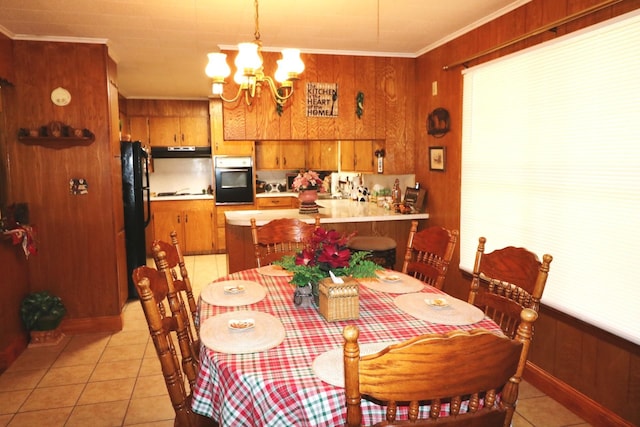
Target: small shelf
(46, 140)
(56, 135)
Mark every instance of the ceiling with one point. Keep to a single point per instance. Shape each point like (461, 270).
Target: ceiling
(160, 46)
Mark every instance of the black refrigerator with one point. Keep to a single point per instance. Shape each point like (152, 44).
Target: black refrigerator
(137, 205)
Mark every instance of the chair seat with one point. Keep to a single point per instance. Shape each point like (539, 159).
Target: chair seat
(371, 243)
(383, 249)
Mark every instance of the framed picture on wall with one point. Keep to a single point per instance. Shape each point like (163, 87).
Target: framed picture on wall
(436, 158)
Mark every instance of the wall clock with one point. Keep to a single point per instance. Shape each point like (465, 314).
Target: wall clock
(60, 96)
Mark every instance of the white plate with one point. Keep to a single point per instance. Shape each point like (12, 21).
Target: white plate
(438, 302)
(241, 325)
(267, 333)
(227, 293)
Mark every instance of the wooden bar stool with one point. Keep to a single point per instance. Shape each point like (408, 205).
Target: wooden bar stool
(383, 249)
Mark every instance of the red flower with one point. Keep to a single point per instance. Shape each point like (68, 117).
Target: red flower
(306, 257)
(334, 256)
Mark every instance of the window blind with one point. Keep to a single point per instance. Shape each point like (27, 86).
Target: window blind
(551, 162)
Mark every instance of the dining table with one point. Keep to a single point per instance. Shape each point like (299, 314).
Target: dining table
(266, 362)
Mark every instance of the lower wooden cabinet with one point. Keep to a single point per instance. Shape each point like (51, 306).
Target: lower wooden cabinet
(286, 202)
(191, 219)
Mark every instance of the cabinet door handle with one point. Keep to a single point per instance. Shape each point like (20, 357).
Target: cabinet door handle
(183, 137)
(178, 218)
(175, 139)
(186, 218)
(284, 161)
(277, 161)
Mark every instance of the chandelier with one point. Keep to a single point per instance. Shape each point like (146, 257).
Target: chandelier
(250, 73)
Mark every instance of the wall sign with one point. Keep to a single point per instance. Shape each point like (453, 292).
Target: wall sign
(322, 99)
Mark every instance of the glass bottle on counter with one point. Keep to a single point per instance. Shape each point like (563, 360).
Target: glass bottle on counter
(396, 194)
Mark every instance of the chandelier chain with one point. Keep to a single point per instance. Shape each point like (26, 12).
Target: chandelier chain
(257, 32)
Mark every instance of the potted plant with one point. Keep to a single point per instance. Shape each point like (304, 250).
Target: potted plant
(41, 314)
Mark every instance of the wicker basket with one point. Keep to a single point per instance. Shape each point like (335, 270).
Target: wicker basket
(339, 301)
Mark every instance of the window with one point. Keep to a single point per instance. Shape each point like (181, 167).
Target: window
(551, 162)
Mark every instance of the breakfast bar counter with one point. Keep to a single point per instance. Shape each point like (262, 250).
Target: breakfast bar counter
(366, 219)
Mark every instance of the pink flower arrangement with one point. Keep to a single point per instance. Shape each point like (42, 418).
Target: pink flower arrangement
(308, 180)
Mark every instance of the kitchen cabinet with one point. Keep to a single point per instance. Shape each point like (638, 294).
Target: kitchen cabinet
(178, 131)
(287, 155)
(322, 155)
(285, 202)
(357, 156)
(221, 245)
(139, 129)
(191, 219)
(232, 148)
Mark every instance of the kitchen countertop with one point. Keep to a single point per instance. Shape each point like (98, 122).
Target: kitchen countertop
(321, 196)
(331, 211)
(182, 198)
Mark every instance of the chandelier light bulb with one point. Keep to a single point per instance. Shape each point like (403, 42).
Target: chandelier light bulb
(217, 67)
(248, 59)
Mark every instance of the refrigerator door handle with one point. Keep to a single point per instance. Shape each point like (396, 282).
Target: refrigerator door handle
(145, 156)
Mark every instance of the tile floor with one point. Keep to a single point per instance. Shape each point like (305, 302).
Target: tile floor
(115, 379)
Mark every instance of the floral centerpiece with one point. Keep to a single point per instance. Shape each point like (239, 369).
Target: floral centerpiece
(308, 180)
(308, 184)
(326, 252)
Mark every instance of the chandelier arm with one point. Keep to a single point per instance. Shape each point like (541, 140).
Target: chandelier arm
(274, 90)
(235, 98)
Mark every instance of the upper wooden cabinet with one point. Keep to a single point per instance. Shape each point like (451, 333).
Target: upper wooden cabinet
(177, 131)
(233, 148)
(357, 156)
(169, 122)
(139, 129)
(285, 155)
(322, 155)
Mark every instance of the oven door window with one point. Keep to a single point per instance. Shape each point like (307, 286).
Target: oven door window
(234, 179)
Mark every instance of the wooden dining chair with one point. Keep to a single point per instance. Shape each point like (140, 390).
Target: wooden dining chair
(466, 370)
(507, 280)
(429, 253)
(167, 326)
(280, 237)
(168, 259)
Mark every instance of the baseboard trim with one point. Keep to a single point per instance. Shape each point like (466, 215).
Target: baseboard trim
(581, 405)
(87, 325)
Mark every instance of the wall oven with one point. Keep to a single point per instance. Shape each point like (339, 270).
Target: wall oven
(234, 180)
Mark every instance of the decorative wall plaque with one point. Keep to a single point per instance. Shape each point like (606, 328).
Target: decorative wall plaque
(322, 99)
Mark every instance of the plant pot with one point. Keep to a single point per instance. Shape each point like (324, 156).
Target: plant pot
(307, 200)
(47, 323)
(303, 296)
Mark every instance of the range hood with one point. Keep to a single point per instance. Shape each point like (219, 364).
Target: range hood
(180, 152)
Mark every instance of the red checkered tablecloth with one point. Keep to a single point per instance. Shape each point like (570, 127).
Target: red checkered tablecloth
(278, 387)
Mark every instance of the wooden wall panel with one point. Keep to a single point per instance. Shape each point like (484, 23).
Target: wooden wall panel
(84, 273)
(365, 82)
(389, 114)
(15, 286)
(6, 53)
(602, 367)
(345, 76)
